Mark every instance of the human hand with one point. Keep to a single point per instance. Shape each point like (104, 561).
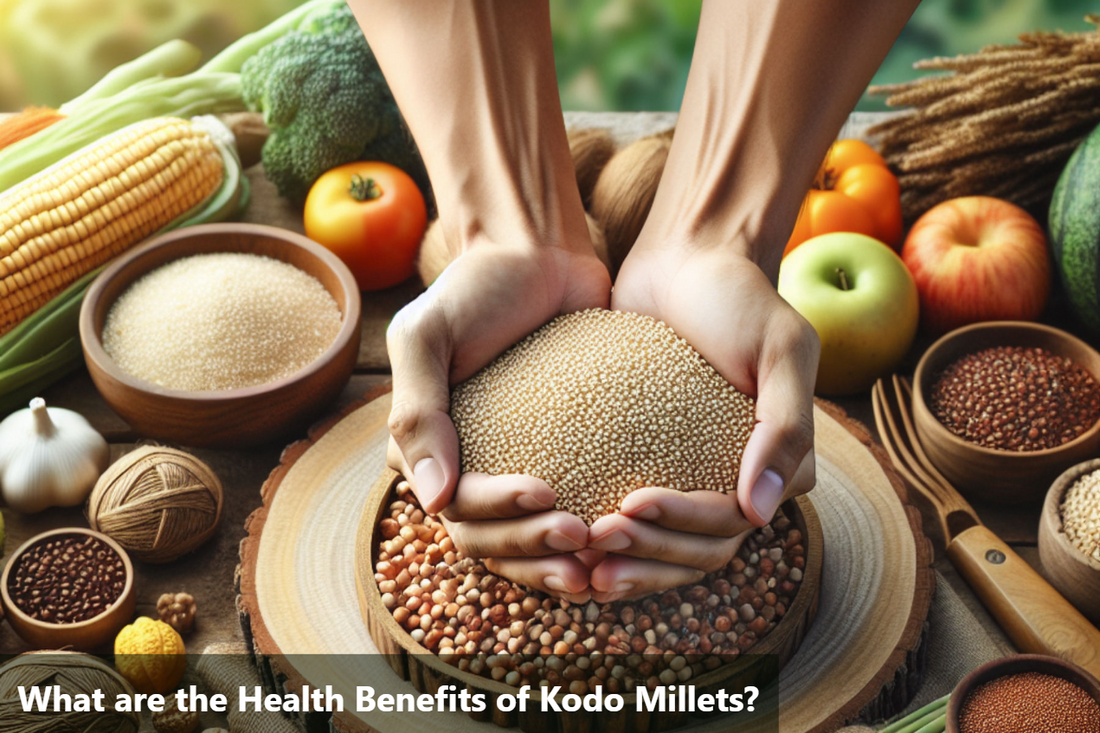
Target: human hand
(725, 307)
(488, 299)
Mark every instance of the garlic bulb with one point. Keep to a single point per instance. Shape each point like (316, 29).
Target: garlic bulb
(49, 457)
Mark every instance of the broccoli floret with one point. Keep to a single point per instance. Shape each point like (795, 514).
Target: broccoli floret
(325, 99)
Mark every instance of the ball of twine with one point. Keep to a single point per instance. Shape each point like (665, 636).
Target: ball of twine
(75, 674)
(158, 503)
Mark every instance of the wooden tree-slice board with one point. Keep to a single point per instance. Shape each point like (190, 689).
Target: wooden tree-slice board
(298, 595)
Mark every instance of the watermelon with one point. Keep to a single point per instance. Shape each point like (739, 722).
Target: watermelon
(1075, 230)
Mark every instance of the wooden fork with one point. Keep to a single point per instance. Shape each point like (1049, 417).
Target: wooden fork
(1031, 612)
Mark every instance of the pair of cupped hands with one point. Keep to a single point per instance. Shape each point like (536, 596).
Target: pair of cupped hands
(491, 297)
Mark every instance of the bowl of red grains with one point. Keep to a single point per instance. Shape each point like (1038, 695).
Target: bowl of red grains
(1003, 408)
(68, 587)
(441, 617)
(1069, 537)
(222, 334)
(1027, 693)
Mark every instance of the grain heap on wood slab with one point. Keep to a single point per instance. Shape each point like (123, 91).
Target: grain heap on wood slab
(598, 404)
(220, 321)
(1003, 124)
(487, 625)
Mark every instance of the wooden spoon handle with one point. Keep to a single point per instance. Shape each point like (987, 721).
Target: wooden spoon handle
(1033, 614)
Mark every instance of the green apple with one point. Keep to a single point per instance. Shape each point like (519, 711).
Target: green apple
(862, 301)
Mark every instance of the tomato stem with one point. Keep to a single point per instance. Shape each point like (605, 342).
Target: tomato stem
(826, 176)
(843, 278)
(364, 189)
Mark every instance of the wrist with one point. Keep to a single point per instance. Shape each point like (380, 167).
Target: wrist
(492, 206)
(735, 233)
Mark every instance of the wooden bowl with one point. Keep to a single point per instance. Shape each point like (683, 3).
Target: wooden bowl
(1016, 665)
(986, 473)
(234, 417)
(1075, 574)
(416, 663)
(87, 635)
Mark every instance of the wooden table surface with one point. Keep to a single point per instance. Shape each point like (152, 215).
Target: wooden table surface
(209, 573)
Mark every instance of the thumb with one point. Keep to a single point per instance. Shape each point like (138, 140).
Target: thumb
(419, 421)
(779, 460)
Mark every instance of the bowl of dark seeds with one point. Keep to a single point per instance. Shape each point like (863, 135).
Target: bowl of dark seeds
(1003, 408)
(68, 587)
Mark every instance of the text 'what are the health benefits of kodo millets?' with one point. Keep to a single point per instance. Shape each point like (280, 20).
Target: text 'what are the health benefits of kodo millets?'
(448, 698)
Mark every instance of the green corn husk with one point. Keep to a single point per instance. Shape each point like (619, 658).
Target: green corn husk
(45, 346)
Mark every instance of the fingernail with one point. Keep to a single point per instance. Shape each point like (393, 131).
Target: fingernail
(623, 587)
(613, 541)
(767, 493)
(553, 582)
(532, 503)
(561, 541)
(428, 476)
(649, 513)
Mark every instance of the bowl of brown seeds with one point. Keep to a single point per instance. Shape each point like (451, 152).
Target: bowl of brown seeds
(1069, 537)
(222, 334)
(69, 587)
(1003, 408)
(440, 617)
(1026, 692)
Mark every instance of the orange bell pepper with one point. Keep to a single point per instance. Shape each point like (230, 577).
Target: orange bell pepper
(854, 191)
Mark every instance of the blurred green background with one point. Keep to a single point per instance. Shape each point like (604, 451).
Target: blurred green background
(611, 54)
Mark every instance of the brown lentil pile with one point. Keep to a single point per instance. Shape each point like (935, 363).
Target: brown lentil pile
(67, 579)
(490, 626)
(1031, 702)
(600, 403)
(1081, 514)
(1016, 399)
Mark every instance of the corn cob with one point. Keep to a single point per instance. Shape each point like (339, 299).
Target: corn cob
(75, 215)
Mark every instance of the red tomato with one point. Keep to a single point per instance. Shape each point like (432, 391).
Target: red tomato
(371, 215)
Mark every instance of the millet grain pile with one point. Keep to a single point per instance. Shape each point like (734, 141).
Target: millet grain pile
(1029, 702)
(1081, 514)
(487, 625)
(219, 321)
(598, 404)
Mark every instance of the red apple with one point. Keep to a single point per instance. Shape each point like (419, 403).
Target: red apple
(977, 258)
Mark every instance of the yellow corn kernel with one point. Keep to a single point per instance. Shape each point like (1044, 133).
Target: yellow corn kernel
(72, 217)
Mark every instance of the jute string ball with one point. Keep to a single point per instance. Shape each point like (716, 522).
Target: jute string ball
(158, 503)
(75, 674)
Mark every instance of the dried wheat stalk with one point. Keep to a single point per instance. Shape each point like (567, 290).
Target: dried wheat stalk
(1002, 122)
